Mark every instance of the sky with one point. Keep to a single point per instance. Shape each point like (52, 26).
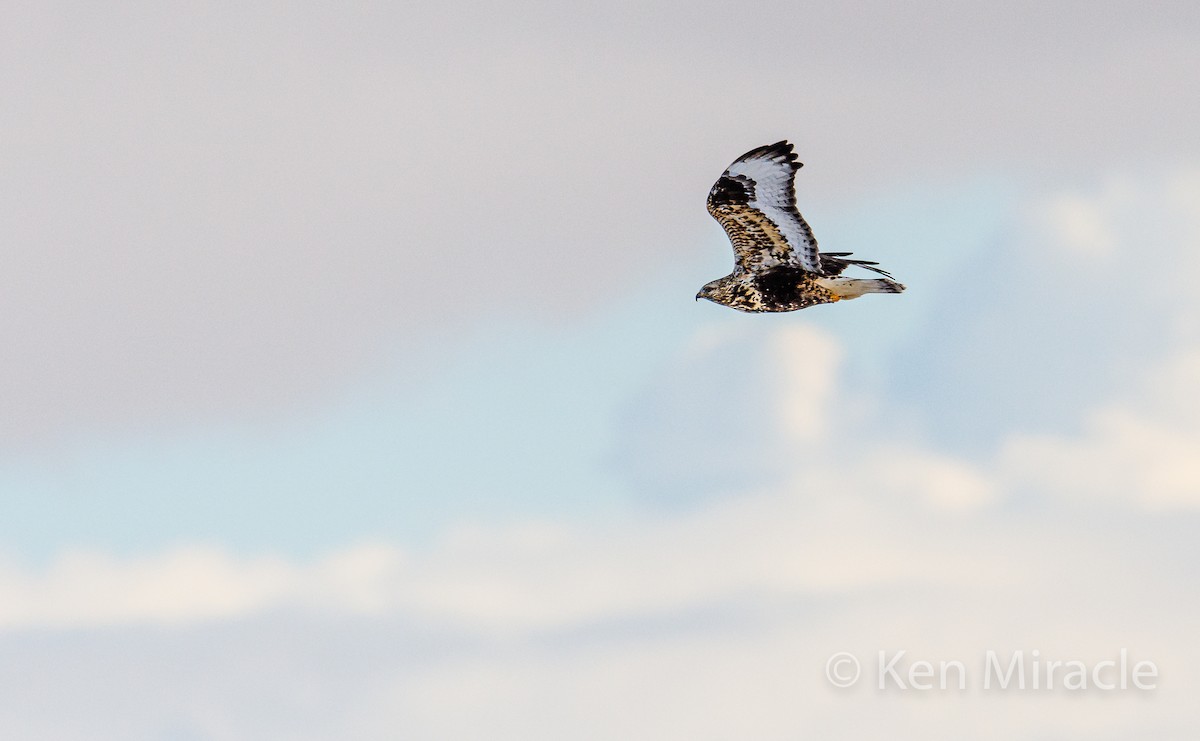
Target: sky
(355, 387)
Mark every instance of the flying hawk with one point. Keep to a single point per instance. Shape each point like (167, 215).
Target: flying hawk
(776, 263)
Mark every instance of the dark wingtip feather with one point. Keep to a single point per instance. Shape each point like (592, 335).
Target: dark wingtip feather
(782, 149)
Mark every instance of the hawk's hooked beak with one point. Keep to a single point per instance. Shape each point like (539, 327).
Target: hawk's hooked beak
(697, 297)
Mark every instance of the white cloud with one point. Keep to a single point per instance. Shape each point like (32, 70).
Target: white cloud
(1140, 451)
(806, 363)
(187, 584)
(700, 625)
(1082, 225)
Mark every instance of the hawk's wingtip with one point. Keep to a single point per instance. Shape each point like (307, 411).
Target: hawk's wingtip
(783, 149)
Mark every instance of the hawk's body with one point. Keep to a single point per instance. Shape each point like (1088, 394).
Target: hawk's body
(776, 263)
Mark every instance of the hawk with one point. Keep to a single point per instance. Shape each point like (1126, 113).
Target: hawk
(776, 263)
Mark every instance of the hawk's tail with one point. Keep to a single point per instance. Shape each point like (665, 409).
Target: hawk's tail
(833, 263)
(848, 288)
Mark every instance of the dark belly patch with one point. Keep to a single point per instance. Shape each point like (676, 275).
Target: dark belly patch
(787, 288)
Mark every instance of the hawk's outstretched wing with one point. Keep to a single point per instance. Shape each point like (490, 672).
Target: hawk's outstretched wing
(755, 203)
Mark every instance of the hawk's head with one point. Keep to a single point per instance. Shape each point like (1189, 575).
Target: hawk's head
(719, 291)
(710, 291)
(736, 293)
